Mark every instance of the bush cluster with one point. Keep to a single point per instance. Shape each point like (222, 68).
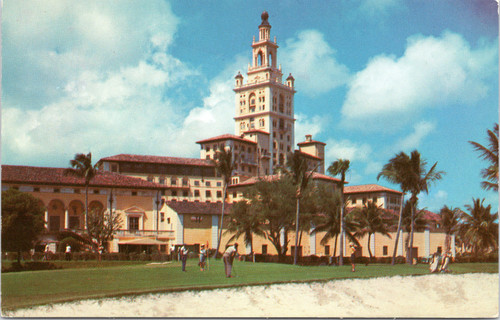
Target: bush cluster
(30, 266)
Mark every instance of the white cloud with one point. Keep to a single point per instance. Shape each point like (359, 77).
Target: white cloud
(345, 149)
(413, 140)
(305, 125)
(48, 44)
(433, 72)
(312, 62)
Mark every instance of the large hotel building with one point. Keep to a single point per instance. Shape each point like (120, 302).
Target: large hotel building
(168, 201)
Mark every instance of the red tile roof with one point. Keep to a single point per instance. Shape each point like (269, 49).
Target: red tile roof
(202, 208)
(431, 216)
(365, 188)
(269, 178)
(256, 131)
(54, 176)
(226, 137)
(308, 155)
(304, 143)
(159, 160)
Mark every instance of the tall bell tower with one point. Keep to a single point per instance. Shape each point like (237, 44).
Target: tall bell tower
(265, 104)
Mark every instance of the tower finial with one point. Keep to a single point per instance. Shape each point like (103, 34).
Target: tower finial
(264, 16)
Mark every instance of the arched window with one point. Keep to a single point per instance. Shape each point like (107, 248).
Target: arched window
(96, 206)
(270, 59)
(252, 102)
(260, 59)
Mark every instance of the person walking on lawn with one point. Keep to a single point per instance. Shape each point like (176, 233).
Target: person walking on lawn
(184, 256)
(203, 257)
(228, 257)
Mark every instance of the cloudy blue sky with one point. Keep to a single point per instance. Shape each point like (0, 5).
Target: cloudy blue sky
(374, 77)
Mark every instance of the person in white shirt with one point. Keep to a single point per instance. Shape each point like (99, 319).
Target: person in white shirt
(184, 255)
(68, 252)
(228, 257)
(203, 257)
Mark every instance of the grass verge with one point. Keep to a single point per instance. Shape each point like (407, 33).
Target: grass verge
(26, 289)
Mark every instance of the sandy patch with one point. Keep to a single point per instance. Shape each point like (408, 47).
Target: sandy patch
(436, 295)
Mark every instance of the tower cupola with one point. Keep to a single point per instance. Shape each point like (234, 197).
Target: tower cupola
(290, 81)
(264, 28)
(239, 79)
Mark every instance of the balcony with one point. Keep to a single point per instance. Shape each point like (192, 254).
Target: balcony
(145, 233)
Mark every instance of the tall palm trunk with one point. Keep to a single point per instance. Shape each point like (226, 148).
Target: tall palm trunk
(335, 246)
(410, 249)
(221, 219)
(341, 250)
(296, 231)
(369, 250)
(400, 222)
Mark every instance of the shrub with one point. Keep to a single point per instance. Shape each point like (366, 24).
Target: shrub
(75, 244)
(30, 266)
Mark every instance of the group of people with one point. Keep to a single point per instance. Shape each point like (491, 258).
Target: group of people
(228, 257)
(439, 263)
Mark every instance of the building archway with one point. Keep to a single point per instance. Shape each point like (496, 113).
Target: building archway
(55, 211)
(76, 215)
(96, 206)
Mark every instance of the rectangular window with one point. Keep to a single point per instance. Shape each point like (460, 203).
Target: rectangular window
(196, 193)
(173, 181)
(168, 220)
(219, 184)
(327, 250)
(208, 194)
(133, 223)
(207, 183)
(162, 180)
(174, 193)
(185, 193)
(235, 194)
(219, 194)
(196, 183)
(264, 249)
(384, 250)
(162, 216)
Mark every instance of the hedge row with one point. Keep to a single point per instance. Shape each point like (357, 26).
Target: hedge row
(84, 256)
(30, 266)
(305, 260)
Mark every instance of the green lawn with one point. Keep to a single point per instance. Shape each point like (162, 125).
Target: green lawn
(24, 289)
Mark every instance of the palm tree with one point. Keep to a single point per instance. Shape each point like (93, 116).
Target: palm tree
(224, 165)
(419, 223)
(479, 228)
(298, 170)
(246, 222)
(489, 154)
(327, 219)
(81, 167)
(369, 221)
(450, 221)
(340, 166)
(410, 173)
